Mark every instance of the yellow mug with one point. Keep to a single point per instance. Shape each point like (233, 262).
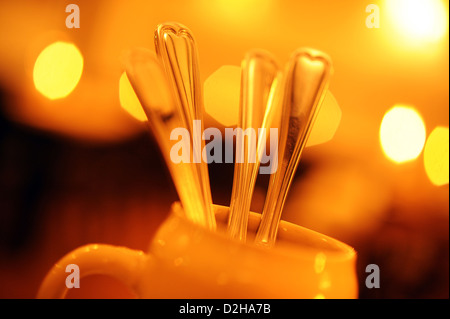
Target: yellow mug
(187, 261)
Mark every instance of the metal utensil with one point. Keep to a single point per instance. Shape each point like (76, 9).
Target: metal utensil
(307, 77)
(177, 52)
(259, 82)
(152, 87)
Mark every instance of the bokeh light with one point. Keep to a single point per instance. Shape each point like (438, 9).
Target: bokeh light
(423, 20)
(402, 134)
(436, 158)
(222, 94)
(128, 99)
(58, 70)
(327, 121)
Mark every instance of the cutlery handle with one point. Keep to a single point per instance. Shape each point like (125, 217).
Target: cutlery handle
(177, 52)
(151, 86)
(307, 78)
(259, 86)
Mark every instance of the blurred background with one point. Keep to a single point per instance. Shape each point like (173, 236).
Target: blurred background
(78, 166)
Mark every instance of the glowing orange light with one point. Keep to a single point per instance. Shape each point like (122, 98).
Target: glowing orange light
(320, 262)
(436, 158)
(419, 19)
(238, 10)
(128, 99)
(222, 93)
(222, 90)
(327, 121)
(58, 70)
(402, 134)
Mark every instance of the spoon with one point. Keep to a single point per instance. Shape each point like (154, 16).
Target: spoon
(152, 87)
(306, 80)
(177, 52)
(259, 80)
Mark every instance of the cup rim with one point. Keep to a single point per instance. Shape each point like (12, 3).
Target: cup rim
(289, 235)
(306, 243)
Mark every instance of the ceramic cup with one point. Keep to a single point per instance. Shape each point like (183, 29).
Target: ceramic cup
(187, 261)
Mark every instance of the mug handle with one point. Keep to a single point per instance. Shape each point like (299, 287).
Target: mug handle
(122, 263)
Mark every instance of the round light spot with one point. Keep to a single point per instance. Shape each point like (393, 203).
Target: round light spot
(128, 99)
(402, 134)
(327, 122)
(222, 94)
(436, 158)
(419, 19)
(320, 262)
(58, 70)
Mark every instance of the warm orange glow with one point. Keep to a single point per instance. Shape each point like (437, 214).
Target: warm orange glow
(436, 156)
(221, 91)
(320, 262)
(327, 121)
(402, 134)
(419, 19)
(238, 10)
(58, 70)
(128, 99)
